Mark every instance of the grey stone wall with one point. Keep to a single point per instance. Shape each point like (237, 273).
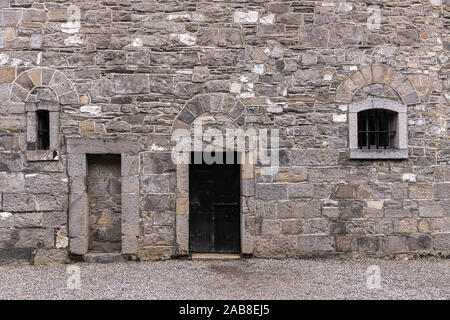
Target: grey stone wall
(127, 70)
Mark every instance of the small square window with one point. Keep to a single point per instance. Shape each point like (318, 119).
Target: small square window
(378, 130)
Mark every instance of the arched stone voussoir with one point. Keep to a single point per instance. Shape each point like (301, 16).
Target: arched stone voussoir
(377, 74)
(26, 82)
(208, 103)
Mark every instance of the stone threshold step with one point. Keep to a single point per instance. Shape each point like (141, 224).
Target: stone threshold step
(215, 256)
(95, 257)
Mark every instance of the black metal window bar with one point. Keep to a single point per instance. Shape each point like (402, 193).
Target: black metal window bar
(376, 129)
(43, 130)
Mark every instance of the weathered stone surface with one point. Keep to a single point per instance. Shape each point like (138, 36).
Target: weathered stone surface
(370, 244)
(441, 241)
(157, 163)
(316, 243)
(396, 244)
(419, 242)
(50, 256)
(15, 255)
(127, 77)
(7, 74)
(155, 253)
(298, 209)
(131, 84)
(271, 191)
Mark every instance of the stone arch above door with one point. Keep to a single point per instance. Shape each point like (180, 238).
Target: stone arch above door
(378, 74)
(26, 82)
(216, 107)
(212, 103)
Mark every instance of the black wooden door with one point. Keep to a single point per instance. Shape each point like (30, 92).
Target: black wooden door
(214, 204)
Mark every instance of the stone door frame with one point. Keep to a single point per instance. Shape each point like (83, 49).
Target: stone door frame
(77, 149)
(212, 103)
(246, 210)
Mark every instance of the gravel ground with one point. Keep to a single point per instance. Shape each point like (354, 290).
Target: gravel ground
(241, 279)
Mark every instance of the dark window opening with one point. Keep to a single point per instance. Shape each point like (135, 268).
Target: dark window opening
(43, 130)
(376, 129)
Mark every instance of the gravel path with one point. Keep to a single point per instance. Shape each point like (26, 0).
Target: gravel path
(242, 279)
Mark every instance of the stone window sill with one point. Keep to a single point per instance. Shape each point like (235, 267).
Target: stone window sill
(42, 155)
(379, 154)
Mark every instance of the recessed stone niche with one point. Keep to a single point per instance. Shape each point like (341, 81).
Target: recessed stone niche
(104, 196)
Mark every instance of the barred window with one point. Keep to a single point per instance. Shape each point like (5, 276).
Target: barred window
(376, 129)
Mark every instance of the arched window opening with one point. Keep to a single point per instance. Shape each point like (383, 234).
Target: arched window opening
(376, 129)
(43, 130)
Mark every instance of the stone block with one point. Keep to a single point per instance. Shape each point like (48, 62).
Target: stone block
(271, 191)
(279, 7)
(157, 163)
(200, 74)
(351, 209)
(316, 243)
(129, 165)
(420, 191)
(16, 255)
(298, 209)
(130, 184)
(54, 219)
(12, 182)
(291, 226)
(6, 220)
(50, 256)
(7, 74)
(159, 202)
(161, 84)
(182, 233)
(246, 16)
(33, 238)
(314, 157)
(290, 18)
(78, 215)
(182, 206)
(247, 187)
(77, 184)
(76, 165)
(330, 212)
(405, 226)
(419, 242)
(46, 183)
(79, 245)
(346, 243)
(50, 202)
(317, 225)
(112, 257)
(131, 84)
(229, 37)
(117, 145)
(130, 214)
(441, 241)
(19, 202)
(155, 253)
(27, 220)
(396, 244)
(370, 244)
(307, 190)
(313, 36)
(441, 190)
(430, 209)
(129, 245)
